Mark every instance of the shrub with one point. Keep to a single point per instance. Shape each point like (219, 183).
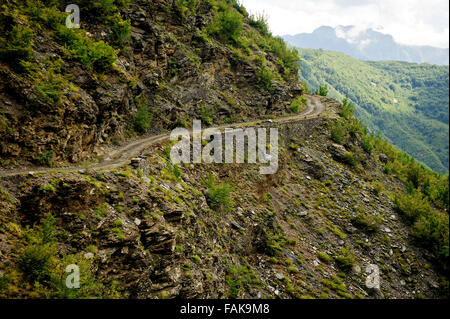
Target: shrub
(265, 78)
(46, 157)
(227, 26)
(96, 54)
(345, 259)
(206, 114)
(338, 132)
(351, 159)
(142, 118)
(367, 145)
(259, 22)
(120, 30)
(323, 257)
(430, 227)
(35, 262)
(48, 14)
(299, 104)
(182, 8)
(17, 47)
(347, 109)
(287, 57)
(366, 222)
(412, 206)
(433, 232)
(240, 278)
(322, 91)
(51, 87)
(218, 196)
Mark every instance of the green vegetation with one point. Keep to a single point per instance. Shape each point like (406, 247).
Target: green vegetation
(338, 132)
(240, 279)
(430, 227)
(227, 26)
(323, 257)
(41, 268)
(345, 259)
(16, 48)
(427, 197)
(408, 103)
(142, 119)
(46, 157)
(299, 104)
(218, 195)
(265, 76)
(120, 30)
(91, 53)
(322, 90)
(366, 222)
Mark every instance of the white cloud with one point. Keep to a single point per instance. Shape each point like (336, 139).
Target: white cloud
(408, 21)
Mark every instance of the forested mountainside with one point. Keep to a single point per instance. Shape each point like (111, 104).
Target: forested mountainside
(341, 203)
(408, 103)
(367, 45)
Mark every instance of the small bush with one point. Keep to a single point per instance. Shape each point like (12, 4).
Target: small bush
(184, 8)
(142, 119)
(338, 132)
(206, 114)
(17, 47)
(227, 26)
(366, 222)
(299, 104)
(265, 78)
(48, 14)
(46, 157)
(120, 30)
(347, 109)
(218, 196)
(51, 87)
(35, 263)
(323, 257)
(345, 259)
(322, 91)
(351, 159)
(238, 279)
(96, 54)
(430, 227)
(367, 145)
(259, 22)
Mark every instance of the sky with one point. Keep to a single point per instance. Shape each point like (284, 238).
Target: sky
(412, 22)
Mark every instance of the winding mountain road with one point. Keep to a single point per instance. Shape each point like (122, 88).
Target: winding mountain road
(125, 153)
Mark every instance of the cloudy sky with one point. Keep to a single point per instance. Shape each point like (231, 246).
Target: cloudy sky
(415, 22)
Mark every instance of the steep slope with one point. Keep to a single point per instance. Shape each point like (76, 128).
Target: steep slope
(367, 45)
(154, 230)
(132, 68)
(407, 103)
(341, 202)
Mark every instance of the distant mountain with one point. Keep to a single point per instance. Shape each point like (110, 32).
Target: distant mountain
(367, 44)
(408, 103)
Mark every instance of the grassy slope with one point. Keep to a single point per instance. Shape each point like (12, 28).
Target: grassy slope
(418, 123)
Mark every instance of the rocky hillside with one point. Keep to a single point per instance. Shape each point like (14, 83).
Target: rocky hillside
(154, 230)
(133, 67)
(341, 200)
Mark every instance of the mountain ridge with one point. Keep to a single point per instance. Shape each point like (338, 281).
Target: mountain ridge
(367, 44)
